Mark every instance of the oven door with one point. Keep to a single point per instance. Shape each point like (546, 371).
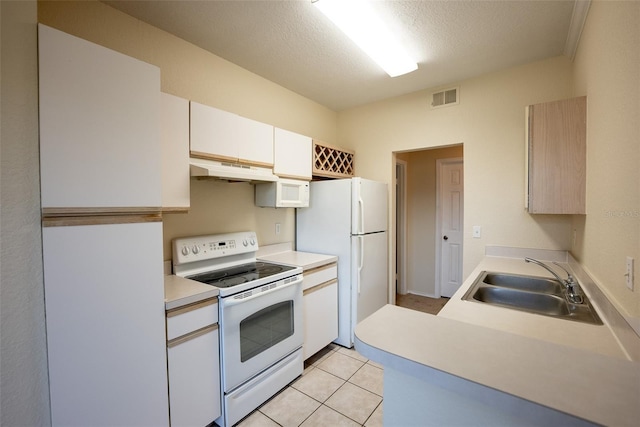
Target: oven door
(259, 330)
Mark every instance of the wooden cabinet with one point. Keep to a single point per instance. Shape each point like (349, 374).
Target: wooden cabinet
(320, 307)
(556, 163)
(292, 155)
(194, 363)
(99, 132)
(174, 134)
(223, 136)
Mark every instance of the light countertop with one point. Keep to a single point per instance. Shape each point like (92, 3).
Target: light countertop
(596, 338)
(585, 384)
(305, 260)
(282, 253)
(576, 368)
(179, 291)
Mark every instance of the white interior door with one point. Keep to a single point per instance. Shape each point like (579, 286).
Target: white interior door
(450, 225)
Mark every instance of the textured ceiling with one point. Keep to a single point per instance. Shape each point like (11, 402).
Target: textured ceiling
(294, 45)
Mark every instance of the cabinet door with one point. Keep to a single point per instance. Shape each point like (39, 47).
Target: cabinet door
(174, 127)
(320, 305)
(194, 379)
(99, 125)
(557, 157)
(255, 143)
(292, 155)
(214, 133)
(105, 318)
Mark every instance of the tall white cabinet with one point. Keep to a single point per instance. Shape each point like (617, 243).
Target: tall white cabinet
(105, 335)
(102, 235)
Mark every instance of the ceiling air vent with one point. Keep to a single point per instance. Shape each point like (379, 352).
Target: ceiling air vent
(445, 98)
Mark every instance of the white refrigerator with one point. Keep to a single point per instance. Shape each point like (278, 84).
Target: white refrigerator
(348, 218)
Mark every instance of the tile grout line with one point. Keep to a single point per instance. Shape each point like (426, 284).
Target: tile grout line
(315, 365)
(373, 412)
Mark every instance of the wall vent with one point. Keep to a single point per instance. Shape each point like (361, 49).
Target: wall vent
(445, 98)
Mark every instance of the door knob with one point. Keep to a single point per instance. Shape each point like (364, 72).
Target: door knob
(445, 238)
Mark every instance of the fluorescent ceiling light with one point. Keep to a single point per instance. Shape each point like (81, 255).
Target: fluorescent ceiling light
(360, 23)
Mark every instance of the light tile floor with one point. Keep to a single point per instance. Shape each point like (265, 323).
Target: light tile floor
(339, 387)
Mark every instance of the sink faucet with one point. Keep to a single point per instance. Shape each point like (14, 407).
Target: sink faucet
(573, 290)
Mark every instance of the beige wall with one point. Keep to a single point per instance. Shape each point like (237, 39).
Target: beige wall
(24, 385)
(489, 121)
(218, 207)
(193, 73)
(607, 71)
(421, 217)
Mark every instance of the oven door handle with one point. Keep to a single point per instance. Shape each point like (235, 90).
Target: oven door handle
(236, 299)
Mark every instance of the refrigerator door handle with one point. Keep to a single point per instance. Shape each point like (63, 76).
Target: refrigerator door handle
(360, 260)
(361, 204)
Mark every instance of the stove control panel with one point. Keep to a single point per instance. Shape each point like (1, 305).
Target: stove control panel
(202, 248)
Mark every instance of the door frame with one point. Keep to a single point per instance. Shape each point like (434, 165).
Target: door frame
(401, 227)
(438, 230)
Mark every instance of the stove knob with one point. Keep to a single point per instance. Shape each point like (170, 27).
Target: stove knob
(253, 242)
(195, 249)
(244, 242)
(185, 251)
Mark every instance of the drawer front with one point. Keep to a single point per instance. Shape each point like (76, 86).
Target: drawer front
(186, 319)
(319, 275)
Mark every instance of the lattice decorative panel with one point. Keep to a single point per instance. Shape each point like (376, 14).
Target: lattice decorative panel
(332, 162)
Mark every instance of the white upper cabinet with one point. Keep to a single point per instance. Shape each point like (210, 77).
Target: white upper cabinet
(174, 133)
(99, 126)
(224, 136)
(292, 155)
(213, 133)
(255, 143)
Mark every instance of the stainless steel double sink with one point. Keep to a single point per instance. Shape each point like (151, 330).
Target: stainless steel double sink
(531, 294)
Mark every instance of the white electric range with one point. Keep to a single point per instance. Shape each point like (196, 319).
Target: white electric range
(260, 316)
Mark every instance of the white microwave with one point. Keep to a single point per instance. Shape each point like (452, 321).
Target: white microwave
(284, 193)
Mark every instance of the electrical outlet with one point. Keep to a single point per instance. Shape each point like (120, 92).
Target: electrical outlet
(277, 228)
(629, 274)
(477, 231)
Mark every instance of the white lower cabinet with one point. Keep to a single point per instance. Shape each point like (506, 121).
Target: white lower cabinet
(320, 308)
(194, 364)
(105, 324)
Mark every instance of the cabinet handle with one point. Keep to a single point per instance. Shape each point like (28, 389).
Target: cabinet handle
(319, 286)
(321, 268)
(190, 307)
(191, 335)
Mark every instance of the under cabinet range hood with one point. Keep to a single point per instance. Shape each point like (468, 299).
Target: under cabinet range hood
(230, 171)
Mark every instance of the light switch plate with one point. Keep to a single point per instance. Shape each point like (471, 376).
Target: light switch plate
(477, 231)
(629, 274)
